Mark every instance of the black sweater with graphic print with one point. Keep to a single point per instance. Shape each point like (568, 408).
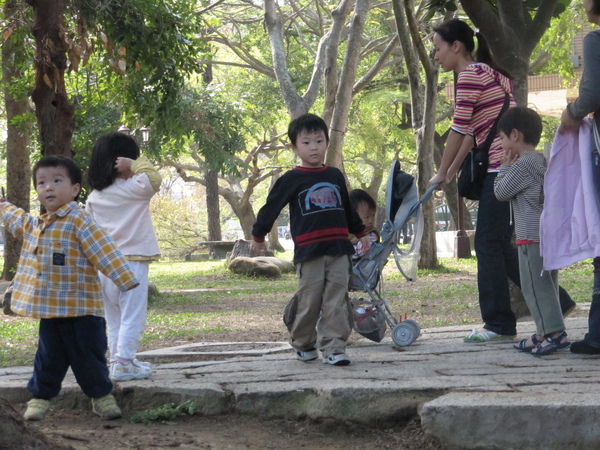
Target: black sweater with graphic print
(321, 214)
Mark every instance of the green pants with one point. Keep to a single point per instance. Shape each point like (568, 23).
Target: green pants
(540, 289)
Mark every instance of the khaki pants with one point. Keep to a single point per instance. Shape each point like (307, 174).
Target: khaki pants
(319, 314)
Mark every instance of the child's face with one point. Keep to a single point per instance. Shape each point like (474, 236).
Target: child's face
(367, 215)
(54, 188)
(311, 148)
(505, 141)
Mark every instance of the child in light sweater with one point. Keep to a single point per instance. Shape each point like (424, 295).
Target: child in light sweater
(124, 183)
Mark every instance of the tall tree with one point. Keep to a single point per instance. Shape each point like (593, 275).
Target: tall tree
(53, 110)
(423, 113)
(19, 122)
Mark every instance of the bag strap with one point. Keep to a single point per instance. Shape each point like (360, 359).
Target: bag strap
(492, 133)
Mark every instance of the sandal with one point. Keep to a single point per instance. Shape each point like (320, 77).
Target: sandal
(553, 344)
(523, 347)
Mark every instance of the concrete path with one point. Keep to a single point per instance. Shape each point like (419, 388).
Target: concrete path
(468, 395)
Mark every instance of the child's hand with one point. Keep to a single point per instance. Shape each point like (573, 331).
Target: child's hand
(123, 166)
(509, 157)
(364, 244)
(258, 248)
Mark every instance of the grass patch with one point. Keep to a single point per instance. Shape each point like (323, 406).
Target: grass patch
(165, 413)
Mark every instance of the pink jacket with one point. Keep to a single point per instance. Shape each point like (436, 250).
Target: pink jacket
(570, 222)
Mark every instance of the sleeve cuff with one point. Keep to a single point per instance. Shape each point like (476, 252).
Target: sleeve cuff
(258, 239)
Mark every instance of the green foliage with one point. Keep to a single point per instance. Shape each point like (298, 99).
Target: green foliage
(155, 46)
(165, 413)
(215, 125)
(557, 41)
(179, 222)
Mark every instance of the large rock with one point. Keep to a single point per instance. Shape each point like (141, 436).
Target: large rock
(257, 267)
(284, 265)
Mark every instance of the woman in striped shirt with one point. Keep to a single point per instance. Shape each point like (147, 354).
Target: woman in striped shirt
(480, 92)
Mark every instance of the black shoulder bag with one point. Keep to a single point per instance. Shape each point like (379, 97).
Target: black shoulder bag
(474, 168)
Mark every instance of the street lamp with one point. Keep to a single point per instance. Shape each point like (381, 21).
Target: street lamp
(124, 129)
(145, 134)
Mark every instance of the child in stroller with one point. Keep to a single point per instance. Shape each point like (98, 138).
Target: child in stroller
(366, 207)
(403, 207)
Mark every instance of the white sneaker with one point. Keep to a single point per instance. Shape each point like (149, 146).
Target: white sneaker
(309, 355)
(131, 371)
(135, 360)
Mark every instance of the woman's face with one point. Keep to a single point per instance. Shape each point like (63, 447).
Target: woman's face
(445, 55)
(588, 5)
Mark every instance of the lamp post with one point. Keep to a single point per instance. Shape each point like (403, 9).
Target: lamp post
(145, 134)
(124, 129)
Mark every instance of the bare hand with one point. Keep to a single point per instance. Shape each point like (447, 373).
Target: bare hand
(440, 179)
(258, 248)
(509, 158)
(123, 165)
(364, 244)
(568, 124)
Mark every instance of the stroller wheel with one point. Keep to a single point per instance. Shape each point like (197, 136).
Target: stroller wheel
(404, 334)
(415, 326)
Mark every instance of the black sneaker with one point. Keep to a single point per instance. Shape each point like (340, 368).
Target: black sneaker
(582, 348)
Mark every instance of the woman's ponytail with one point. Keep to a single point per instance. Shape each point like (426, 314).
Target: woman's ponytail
(484, 55)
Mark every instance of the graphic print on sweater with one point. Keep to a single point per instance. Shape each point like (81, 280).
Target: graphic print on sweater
(320, 196)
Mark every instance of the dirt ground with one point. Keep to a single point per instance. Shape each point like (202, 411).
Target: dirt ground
(82, 430)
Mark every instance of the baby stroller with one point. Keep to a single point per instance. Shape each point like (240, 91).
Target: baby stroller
(403, 212)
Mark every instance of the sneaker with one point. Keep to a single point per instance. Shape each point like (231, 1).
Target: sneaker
(135, 360)
(36, 409)
(309, 355)
(337, 359)
(583, 348)
(485, 336)
(131, 371)
(106, 407)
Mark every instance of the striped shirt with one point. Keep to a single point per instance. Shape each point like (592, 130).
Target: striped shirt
(522, 184)
(480, 92)
(61, 254)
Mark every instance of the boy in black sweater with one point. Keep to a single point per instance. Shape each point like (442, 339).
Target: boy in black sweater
(321, 217)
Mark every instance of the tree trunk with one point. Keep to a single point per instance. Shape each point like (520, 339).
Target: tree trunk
(511, 35)
(52, 108)
(423, 109)
(18, 168)
(213, 211)
(343, 97)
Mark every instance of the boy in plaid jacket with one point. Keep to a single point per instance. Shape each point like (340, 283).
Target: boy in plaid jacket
(57, 282)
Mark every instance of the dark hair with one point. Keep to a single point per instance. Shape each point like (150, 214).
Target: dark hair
(522, 119)
(595, 7)
(310, 123)
(456, 30)
(107, 149)
(359, 196)
(73, 170)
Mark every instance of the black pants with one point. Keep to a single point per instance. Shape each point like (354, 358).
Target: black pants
(78, 342)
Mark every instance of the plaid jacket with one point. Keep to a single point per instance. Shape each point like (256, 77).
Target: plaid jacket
(61, 254)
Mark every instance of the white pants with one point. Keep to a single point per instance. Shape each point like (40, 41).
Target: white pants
(126, 312)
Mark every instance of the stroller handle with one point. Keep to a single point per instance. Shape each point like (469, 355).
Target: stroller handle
(428, 193)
